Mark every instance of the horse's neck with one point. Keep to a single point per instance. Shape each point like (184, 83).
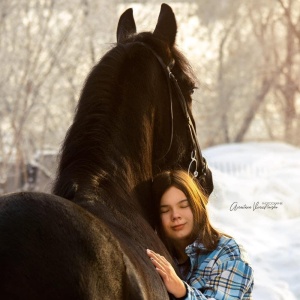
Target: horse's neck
(123, 173)
(111, 139)
(131, 155)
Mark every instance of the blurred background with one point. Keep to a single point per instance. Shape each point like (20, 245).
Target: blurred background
(246, 55)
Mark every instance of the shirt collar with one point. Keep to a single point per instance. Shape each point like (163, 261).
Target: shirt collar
(192, 248)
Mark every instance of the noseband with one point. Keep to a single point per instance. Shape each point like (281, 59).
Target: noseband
(196, 147)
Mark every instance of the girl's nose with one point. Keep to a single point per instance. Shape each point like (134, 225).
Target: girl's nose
(175, 215)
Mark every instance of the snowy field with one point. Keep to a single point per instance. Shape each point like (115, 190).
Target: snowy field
(257, 201)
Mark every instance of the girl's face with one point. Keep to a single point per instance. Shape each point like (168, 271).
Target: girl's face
(176, 216)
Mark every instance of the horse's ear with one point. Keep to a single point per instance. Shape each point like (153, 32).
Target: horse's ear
(126, 25)
(166, 27)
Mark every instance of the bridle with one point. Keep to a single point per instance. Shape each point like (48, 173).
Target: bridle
(196, 147)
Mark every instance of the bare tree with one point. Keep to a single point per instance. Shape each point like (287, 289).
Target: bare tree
(45, 46)
(255, 85)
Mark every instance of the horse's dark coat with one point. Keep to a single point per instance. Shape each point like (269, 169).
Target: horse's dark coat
(88, 241)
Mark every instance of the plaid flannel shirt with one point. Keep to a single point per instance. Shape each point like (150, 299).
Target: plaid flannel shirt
(223, 274)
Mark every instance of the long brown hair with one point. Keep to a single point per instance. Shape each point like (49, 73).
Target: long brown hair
(198, 200)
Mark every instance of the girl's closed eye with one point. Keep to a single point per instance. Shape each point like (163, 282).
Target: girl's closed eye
(184, 204)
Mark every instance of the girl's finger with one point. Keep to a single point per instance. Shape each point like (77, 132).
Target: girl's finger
(161, 273)
(157, 257)
(165, 260)
(157, 264)
(152, 253)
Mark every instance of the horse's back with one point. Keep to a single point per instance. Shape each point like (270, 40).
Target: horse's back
(50, 248)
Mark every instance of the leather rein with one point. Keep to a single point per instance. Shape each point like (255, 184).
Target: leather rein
(196, 147)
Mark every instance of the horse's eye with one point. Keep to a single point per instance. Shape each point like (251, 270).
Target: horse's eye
(192, 90)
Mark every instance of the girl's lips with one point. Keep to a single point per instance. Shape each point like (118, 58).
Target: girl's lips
(178, 227)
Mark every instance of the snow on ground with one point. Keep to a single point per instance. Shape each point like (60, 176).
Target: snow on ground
(257, 201)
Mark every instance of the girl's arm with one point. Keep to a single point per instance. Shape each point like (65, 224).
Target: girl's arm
(228, 279)
(173, 283)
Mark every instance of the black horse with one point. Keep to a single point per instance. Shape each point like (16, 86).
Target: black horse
(88, 239)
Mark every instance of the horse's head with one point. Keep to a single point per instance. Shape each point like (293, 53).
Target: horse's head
(169, 87)
(133, 118)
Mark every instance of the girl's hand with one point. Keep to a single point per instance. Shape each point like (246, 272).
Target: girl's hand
(173, 283)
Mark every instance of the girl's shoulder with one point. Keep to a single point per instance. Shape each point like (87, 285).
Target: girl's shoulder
(228, 247)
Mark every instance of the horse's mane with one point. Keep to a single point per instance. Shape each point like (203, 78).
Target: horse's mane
(87, 138)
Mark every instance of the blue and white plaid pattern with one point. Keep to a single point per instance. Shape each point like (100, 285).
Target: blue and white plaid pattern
(223, 274)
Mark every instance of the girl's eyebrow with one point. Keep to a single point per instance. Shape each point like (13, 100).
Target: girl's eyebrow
(181, 201)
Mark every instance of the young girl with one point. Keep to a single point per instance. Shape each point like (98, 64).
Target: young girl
(212, 265)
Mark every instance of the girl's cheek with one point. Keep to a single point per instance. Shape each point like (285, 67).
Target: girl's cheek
(164, 220)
